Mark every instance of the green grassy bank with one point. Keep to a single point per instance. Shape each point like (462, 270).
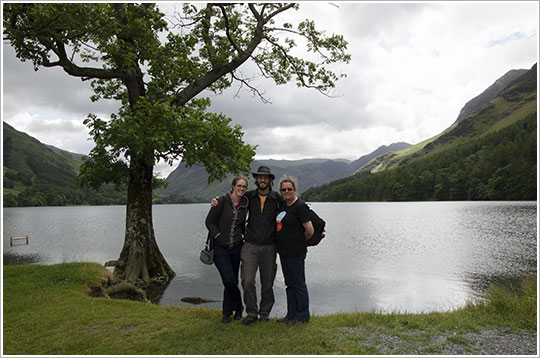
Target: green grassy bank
(46, 311)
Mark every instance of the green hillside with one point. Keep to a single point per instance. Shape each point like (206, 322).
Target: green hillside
(489, 155)
(501, 165)
(35, 175)
(512, 103)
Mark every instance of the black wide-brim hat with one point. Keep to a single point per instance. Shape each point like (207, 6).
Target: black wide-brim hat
(264, 170)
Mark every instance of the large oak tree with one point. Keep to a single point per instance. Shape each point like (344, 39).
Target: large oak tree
(157, 70)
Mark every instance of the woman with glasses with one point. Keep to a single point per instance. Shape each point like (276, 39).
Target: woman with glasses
(226, 225)
(294, 227)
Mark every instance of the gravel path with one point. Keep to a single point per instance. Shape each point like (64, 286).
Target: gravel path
(490, 341)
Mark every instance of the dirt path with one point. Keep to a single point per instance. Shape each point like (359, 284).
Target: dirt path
(490, 341)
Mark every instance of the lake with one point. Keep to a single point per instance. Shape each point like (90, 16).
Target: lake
(385, 257)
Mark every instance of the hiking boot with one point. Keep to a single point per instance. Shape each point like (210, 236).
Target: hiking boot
(249, 320)
(264, 319)
(283, 320)
(292, 322)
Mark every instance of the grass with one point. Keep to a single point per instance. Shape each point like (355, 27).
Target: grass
(46, 312)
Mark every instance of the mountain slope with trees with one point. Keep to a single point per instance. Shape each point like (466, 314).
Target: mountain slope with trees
(491, 154)
(512, 103)
(36, 175)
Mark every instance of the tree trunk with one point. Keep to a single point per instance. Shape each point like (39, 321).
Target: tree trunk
(142, 262)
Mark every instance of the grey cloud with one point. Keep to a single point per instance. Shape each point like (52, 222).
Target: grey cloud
(369, 20)
(292, 106)
(47, 88)
(62, 126)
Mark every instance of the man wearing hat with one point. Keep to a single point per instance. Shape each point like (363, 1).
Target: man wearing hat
(259, 249)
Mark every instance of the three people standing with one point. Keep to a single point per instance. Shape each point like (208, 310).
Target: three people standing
(262, 241)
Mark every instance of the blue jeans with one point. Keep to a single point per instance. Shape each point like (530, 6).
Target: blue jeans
(228, 264)
(297, 294)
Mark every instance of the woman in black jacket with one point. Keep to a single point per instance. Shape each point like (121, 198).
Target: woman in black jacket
(226, 226)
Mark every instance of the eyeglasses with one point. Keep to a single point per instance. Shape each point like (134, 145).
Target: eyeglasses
(287, 189)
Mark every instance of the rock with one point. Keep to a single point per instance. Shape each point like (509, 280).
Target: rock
(196, 300)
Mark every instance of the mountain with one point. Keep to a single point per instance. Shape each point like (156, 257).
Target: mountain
(61, 151)
(490, 93)
(36, 175)
(510, 104)
(489, 154)
(192, 182)
(384, 149)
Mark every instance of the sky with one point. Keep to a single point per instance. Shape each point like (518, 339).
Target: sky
(413, 67)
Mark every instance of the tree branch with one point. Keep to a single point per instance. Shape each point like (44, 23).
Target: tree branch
(255, 13)
(206, 34)
(76, 71)
(228, 29)
(215, 74)
(296, 70)
(278, 11)
(252, 89)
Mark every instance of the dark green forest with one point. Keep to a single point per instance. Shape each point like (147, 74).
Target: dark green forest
(54, 195)
(501, 165)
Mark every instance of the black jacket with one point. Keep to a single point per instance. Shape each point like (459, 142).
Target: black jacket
(227, 224)
(261, 227)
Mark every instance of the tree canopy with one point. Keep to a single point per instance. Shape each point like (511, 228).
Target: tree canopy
(158, 72)
(118, 47)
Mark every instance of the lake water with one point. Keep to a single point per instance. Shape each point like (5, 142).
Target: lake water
(386, 257)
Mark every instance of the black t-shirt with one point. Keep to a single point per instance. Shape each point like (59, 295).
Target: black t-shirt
(290, 240)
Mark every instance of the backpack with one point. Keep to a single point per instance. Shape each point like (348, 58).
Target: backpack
(318, 225)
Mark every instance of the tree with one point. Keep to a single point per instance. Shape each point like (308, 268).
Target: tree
(157, 83)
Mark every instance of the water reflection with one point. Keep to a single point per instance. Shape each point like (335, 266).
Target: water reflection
(413, 257)
(154, 293)
(12, 259)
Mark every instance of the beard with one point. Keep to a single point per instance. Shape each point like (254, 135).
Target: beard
(263, 186)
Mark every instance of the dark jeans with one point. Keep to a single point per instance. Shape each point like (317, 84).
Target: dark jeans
(228, 264)
(297, 294)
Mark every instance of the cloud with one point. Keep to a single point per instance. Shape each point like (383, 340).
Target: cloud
(50, 88)
(414, 66)
(70, 135)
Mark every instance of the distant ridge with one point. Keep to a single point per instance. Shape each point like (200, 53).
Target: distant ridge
(58, 150)
(193, 182)
(490, 93)
(383, 149)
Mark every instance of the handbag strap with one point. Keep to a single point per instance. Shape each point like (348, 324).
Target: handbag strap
(209, 242)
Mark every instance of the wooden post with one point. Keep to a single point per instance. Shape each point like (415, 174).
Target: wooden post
(18, 238)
